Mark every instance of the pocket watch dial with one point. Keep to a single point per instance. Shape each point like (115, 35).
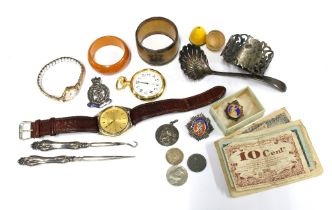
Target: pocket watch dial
(148, 84)
(113, 121)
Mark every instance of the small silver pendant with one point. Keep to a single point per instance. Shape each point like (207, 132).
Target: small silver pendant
(167, 134)
(98, 94)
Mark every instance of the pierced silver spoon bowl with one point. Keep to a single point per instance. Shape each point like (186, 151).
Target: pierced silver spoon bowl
(195, 65)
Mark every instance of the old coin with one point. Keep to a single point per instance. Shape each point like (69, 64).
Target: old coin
(177, 175)
(196, 162)
(167, 134)
(174, 156)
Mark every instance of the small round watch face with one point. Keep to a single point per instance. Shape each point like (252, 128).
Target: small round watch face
(148, 84)
(113, 121)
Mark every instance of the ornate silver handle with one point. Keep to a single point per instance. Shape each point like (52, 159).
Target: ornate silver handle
(36, 160)
(46, 145)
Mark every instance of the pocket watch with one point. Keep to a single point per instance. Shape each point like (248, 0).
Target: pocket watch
(115, 120)
(146, 84)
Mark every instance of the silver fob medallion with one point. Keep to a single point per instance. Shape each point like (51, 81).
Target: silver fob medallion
(167, 134)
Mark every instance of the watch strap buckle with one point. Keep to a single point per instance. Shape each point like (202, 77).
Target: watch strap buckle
(25, 130)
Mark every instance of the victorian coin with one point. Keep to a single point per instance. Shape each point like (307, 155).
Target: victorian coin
(177, 175)
(174, 156)
(196, 162)
(98, 94)
(199, 127)
(167, 134)
(234, 110)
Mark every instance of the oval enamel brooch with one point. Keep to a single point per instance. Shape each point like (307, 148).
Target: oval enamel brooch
(234, 110)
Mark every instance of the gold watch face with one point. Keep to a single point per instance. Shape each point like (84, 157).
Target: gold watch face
(148, 84)
(113, 121)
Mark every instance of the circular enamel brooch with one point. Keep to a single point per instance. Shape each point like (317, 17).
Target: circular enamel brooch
(234, 110)
(199, 127)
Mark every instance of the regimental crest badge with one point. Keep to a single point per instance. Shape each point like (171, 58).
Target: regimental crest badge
(98, 94)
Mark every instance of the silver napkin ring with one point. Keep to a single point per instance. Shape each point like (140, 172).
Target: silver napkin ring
(70, 91)
(249, 54)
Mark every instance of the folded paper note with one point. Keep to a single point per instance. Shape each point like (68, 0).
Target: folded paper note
(269, 153)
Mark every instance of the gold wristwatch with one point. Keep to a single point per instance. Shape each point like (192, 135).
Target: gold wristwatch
(115, 120)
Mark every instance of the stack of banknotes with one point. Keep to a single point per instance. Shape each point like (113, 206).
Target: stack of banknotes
(271, 152)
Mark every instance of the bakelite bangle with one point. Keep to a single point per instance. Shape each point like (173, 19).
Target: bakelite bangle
(105, 41)
(157, 25)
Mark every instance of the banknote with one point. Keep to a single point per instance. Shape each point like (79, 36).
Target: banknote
(304, 147)
(267, 161)
(278, 117)
(295, 127)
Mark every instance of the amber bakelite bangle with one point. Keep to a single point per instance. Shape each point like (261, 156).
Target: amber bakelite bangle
(157, 25)
(105, 41)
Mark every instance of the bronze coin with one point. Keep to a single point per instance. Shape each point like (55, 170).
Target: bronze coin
(196, 162)
(174, 156)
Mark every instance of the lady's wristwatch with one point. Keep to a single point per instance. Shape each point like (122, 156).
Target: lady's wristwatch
(115, 120)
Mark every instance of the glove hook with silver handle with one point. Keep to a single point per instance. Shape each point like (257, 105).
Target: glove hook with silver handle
(46, 145)
(36, 160)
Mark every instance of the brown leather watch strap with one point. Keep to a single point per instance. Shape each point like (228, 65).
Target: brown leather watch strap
(55, 126)
(148, 110)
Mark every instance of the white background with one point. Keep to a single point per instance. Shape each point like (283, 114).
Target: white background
(36, 32)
